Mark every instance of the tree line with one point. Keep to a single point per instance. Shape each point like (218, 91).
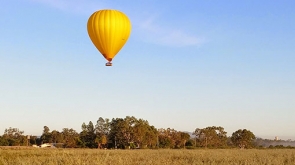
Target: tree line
(131, 133)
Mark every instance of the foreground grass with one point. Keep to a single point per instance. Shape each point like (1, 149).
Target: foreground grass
(49, 156)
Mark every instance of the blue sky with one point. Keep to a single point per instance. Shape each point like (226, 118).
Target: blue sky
(187, 64)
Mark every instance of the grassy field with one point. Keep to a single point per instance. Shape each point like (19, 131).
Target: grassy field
(49, 156)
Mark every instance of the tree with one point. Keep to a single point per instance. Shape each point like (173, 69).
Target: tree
(131, 132)
(56, 136)
(14, 137)
(87, 138)
(184, 137)
(243, 138)
(211, 137)
(3, 141)
(33, 140)
(102, 126)
(46, 135)
(102, 129)
(120, 132)
(152, 137)
(70, 138)
(128, 129)
(170, 138)
(91, 135)
(140, 133)
(101, 141)
(82, 141)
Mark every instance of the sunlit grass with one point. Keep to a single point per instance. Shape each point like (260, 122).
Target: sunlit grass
(49, 156)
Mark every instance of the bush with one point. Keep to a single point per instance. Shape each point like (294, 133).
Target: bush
(190, 147)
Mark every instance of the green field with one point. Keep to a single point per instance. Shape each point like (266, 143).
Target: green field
(49, 156)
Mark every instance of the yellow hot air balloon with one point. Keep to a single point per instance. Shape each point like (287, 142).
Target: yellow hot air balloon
(109, 31)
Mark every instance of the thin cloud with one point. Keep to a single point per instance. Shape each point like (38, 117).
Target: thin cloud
(179, 38)
(167, 36)
(147, 30)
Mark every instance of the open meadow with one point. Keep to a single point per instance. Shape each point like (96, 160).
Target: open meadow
(50, 156)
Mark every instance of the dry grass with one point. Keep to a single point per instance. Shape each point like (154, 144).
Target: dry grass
(49, 156)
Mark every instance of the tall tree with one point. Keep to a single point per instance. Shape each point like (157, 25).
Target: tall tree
(102, 126)
(119, 132)
(128, 131)
(82, 141)
(87, 138)
(91, 135)
(46, 135)
(140, 131)
(152, 137)
(102, 129)
(243, 138)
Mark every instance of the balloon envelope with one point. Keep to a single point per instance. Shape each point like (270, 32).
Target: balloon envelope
(109, 31)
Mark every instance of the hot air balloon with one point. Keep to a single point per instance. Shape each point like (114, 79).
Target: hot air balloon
(109, 31)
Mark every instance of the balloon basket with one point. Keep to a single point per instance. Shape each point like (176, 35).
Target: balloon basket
(109, 64)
